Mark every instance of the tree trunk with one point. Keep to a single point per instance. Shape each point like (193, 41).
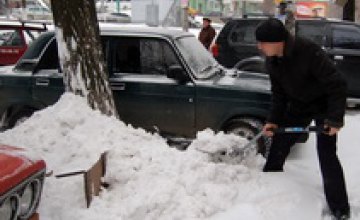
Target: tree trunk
(357, 11)
(269, 7)
(80, 52)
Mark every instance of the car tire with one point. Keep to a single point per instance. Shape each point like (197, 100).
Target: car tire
(249, 128)
(20, 117)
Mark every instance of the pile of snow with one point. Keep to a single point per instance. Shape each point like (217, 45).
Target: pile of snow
(150, 180)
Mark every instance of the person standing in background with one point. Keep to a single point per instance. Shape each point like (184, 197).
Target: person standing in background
(286, 16)
(207, 33)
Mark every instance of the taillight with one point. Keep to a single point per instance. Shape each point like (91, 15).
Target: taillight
(214, 48)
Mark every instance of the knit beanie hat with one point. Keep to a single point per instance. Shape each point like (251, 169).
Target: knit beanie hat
(271, 30)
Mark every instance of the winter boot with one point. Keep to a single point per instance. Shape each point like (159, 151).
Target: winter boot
(339, 215)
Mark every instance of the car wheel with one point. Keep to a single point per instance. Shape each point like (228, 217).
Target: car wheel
(249, 128)
(20, 117)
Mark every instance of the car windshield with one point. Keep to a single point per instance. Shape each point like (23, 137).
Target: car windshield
(199, 59)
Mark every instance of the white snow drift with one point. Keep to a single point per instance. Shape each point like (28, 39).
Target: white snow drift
(150, 180)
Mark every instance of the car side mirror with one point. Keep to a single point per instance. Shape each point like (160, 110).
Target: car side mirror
(177, 72)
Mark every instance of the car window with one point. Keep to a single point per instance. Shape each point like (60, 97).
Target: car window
(201, 62)
(142, 56)
(31, 35)
(30, 58)
(156, 56)
(10, 37)
(312, 31)
(35, 49)
(346, 37)
(50, 59)
(243, 33)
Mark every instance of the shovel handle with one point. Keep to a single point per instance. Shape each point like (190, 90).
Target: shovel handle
(309, 129)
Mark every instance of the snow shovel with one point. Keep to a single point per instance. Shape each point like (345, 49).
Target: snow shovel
(235, 154)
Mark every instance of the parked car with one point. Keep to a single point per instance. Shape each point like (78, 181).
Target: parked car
(340, 39)
(114, 17)
(21, 183)
(158, 83)
(15, 36)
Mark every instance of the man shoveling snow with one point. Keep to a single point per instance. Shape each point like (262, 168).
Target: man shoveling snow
(305, 87)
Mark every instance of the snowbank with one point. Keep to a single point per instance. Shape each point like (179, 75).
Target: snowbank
(150, 180)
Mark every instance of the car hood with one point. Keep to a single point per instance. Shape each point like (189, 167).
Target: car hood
(245, 80)
(16, 165)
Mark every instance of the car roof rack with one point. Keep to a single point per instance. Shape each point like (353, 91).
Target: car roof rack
(247, 16)
(258, 15)
(26, 23)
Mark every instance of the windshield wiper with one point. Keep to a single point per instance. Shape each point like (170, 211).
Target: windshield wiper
(206, 69)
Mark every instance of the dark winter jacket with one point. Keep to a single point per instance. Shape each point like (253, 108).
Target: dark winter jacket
(305, 83)
(206, 36)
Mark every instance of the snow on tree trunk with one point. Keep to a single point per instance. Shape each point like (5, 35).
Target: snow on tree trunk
(80, 53)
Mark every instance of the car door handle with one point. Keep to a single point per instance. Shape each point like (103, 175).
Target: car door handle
(42, 82)
(338, 57)
(117, 86)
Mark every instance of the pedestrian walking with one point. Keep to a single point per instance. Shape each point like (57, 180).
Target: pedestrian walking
(305, 86)
(286, 16)
(207, 33)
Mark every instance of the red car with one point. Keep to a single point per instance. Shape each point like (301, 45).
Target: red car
(21, 182)
(15, 36)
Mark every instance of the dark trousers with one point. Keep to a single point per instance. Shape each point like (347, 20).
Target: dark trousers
(332, 173)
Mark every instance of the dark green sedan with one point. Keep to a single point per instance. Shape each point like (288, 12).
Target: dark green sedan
(162, 80)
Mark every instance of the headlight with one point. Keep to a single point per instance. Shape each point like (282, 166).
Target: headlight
(9, 208)
(29, 198)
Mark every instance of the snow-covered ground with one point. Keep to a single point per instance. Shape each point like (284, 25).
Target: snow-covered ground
(150, 180)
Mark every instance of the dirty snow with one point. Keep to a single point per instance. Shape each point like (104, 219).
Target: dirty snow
(150, 180)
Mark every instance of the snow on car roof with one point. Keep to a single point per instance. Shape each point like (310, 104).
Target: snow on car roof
(115, 29)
